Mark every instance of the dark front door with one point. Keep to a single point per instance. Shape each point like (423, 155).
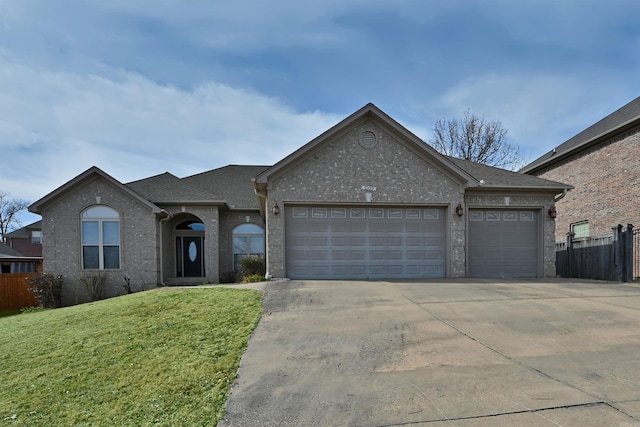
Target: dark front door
(191, 254)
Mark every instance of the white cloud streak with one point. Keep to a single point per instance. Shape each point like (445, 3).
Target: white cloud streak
(54, 125)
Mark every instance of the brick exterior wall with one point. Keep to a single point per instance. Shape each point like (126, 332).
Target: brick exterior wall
(607, 185)
(62, 246)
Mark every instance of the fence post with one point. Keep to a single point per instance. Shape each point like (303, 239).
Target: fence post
(613, 264)
(569, 266)
(628, 254)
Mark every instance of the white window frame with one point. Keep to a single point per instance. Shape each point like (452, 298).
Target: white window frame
(36, 237)
(100, 214)
(581, 225)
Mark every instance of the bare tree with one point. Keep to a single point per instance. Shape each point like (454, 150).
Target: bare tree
(475, 139)
(9, 208)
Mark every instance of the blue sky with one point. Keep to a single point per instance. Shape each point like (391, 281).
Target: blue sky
(141, 87)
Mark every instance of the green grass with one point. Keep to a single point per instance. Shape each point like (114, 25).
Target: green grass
(164, 357)
(6, 313)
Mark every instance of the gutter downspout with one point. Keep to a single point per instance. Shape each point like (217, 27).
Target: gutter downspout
(262, 195)
(561, 196)
(167, 217)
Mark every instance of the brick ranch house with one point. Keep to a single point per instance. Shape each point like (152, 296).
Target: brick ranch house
(365, 199)
(603, 164)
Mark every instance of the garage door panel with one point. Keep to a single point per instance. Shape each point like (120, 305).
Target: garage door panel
(396, 270)
(319, 241)
(338, 255)
(414, 241)
(432, 255)
(357, 241)
(503, 243)
(377, 241)
(320, 270)
(319, 255)
(357, 270)
(365, 242)
(339, 227)
(395, 241)
(394, 226)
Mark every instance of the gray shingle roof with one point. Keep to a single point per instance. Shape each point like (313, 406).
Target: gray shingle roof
(8, 251)
(232, 184)
(630, 113)
(502, 178)
(169, 188)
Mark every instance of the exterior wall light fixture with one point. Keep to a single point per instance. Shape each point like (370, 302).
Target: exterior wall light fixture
(275, 208)
(552, 212)
(459, 209)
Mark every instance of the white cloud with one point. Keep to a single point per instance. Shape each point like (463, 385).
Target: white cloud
(54, 125)
(540, 111)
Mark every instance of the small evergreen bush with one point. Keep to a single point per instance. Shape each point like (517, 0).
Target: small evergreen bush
(251, 265)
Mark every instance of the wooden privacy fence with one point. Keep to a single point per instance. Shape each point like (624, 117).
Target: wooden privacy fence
(15, 293)
(598, 258)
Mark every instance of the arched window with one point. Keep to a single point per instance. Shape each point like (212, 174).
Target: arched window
(190, 225)
(100, 238)
(248, 239)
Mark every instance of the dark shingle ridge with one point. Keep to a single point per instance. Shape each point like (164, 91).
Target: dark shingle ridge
(625, 114)
(492, 176)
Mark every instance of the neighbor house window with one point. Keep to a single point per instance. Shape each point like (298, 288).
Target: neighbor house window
(36, 237)
(100, 238)
(248, 239)
(580, 229)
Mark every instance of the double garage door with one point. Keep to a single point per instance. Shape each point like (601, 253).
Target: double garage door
(352, 242)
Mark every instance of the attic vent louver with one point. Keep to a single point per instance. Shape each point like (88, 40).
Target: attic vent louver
(368, 139)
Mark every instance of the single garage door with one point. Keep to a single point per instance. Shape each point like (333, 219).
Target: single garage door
(503, 243)
(339, 242)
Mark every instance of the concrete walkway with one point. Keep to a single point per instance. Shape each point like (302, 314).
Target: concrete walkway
(442, 353)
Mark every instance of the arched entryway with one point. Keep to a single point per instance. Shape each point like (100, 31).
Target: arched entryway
(190, 248)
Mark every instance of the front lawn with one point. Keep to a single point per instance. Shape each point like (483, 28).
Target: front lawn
(164, 357)
(6, 313)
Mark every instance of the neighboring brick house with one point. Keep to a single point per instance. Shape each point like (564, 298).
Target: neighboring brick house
(12, 261)
(27, 240)
(366, 199)
(603, 164)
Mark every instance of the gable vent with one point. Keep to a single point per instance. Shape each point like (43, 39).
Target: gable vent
(368, 139)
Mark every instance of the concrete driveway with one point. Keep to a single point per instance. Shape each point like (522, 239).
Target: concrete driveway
(442, 353)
